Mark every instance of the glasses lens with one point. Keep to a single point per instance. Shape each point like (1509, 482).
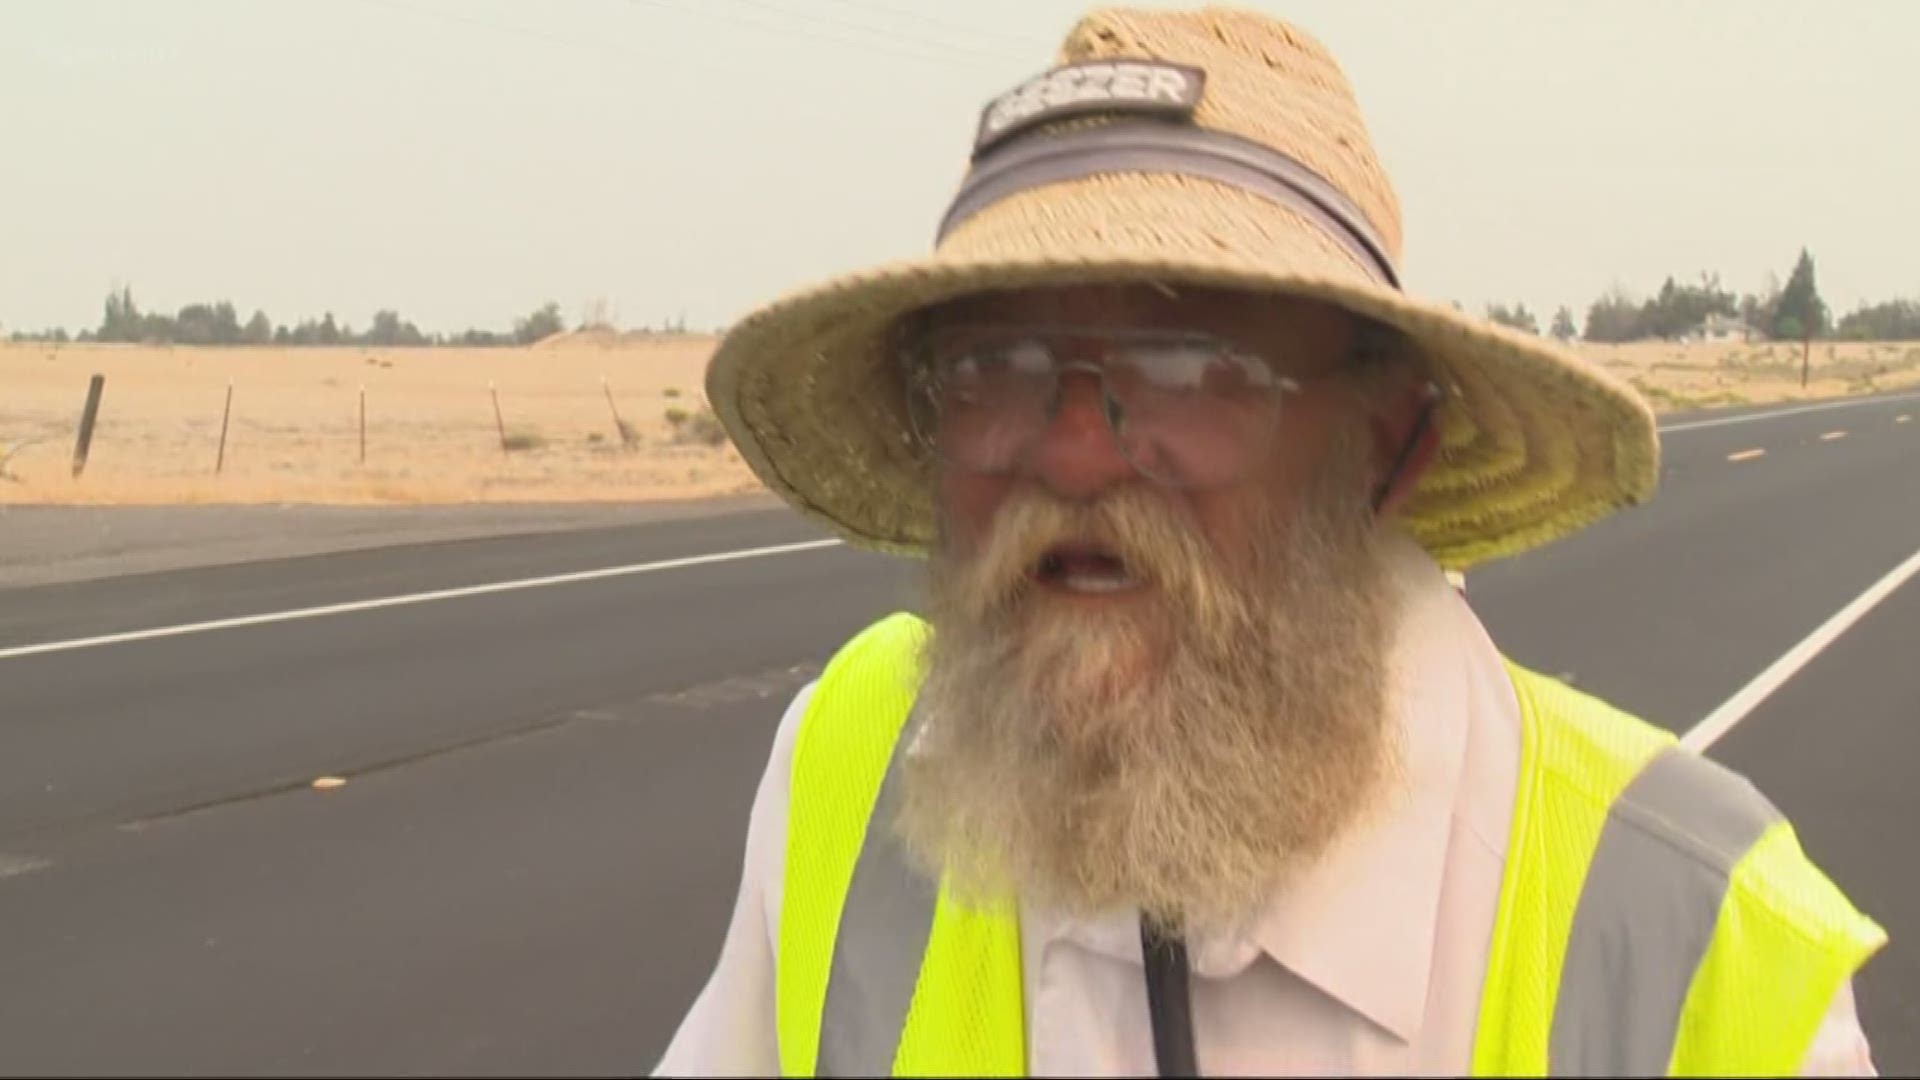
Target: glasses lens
(1188, 411)
(1192, 413)
(984, 399)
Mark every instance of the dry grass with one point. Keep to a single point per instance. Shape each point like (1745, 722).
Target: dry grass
(432, 437)
(1681, 377)
(431, 432)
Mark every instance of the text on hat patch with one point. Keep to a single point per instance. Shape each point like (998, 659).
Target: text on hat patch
(1141, 87)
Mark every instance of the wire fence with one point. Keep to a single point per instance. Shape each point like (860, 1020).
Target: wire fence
(125, 423)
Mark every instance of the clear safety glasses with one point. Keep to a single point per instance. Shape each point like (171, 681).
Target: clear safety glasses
(1187, 409)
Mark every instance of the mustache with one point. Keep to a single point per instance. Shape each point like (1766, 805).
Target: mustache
(1182, 752)
(1158, 547)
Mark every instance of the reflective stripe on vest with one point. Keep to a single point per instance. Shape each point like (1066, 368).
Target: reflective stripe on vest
(1646, 913)
(965, 1014)
(1643, 920)
(884, 928)
(1656, 914)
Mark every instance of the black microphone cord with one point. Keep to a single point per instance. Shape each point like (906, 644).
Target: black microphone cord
(1169, 1002)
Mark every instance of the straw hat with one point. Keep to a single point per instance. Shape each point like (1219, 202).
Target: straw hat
(1213, 147)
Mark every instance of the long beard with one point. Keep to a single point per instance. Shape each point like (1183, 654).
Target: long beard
(1186, 758)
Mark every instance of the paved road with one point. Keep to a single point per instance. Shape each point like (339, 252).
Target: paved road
(531, 863)
(50, 544)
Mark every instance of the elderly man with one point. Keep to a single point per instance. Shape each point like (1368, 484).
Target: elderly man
(1197, 764)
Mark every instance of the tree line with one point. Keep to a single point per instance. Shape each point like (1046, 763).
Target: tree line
(1790, 313)
(218, 323)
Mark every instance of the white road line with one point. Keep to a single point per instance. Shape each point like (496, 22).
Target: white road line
(1707, 731)
(624, 571)
(1832, 435)
(1746, 455)
(411, 598)
(1695, 425)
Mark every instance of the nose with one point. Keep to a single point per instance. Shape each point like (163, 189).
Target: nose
(1078, 455)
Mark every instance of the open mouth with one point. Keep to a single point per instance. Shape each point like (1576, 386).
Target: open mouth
(1083, 567)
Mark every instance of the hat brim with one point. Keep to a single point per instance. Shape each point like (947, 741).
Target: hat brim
(1535, 444)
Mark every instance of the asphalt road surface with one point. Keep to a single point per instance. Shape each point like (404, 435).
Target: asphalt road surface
(549, 742)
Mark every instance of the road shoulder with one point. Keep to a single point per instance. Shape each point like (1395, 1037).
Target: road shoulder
(46, 545)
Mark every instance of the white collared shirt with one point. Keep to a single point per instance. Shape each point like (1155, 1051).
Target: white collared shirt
(1370, 964)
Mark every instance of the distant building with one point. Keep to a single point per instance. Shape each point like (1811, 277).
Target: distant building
(1719, 327)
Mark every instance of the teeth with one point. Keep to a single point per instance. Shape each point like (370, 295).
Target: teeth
(1095, 582)
(1084, 571)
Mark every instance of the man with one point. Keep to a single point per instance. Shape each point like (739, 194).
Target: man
(1198, 763)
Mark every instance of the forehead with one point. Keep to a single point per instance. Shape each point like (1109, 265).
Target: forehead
(1251, 318)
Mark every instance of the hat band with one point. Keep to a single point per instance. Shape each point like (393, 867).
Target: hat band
(1037, 160)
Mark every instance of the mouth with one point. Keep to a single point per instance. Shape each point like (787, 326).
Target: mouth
(1084, 568)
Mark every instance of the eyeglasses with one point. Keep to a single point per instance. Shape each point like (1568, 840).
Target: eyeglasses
(1187, 409)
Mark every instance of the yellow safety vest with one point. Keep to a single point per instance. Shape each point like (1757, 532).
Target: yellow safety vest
(1656, 915)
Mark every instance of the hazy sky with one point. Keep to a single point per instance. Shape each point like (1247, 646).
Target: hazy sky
(465, 160)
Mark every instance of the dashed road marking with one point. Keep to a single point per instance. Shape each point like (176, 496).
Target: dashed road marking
(16, 865)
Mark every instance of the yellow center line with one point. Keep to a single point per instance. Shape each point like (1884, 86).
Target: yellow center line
(1832, 435)
(1746, 455)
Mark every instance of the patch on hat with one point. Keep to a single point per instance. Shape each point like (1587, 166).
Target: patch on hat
(1138, 87)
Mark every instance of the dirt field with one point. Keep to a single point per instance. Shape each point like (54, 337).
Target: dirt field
(432, 434)
(1678, 377)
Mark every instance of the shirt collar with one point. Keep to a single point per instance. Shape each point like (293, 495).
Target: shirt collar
(1360, 924)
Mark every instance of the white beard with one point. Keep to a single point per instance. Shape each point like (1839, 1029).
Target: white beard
(1186, 761)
